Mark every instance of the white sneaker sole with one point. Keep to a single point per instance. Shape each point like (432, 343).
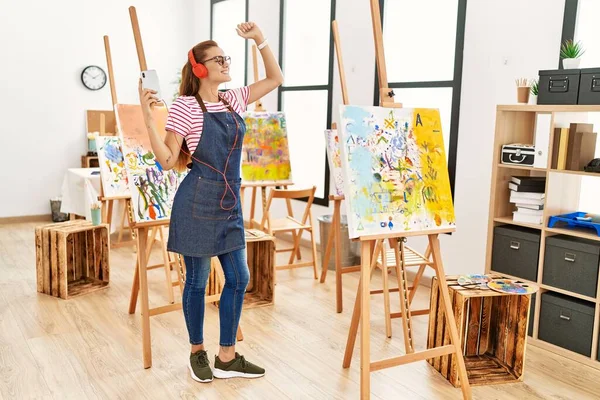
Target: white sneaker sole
(220, 374)
(194, 377)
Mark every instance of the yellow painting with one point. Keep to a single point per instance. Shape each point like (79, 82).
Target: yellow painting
(265, 152)
(394, 170)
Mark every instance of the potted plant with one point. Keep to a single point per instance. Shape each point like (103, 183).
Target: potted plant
(571, 52)
(535, 86)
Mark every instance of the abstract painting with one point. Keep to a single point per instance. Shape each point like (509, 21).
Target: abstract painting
(152, 188)
(395, 173)
(265, 152)
(335, 160)
(112, 166)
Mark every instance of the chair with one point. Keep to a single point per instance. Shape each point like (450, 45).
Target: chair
(291, 224)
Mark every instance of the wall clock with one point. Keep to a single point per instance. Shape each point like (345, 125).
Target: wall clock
(93, 77)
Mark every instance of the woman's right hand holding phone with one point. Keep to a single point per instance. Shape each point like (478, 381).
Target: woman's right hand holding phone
(147, 100)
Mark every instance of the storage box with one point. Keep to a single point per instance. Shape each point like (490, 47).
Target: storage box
(559, 86)
(589, 86)
(567, 322)
(72, 258)
(515, 251)
(572, 264)
(519, 154)
(492, 330)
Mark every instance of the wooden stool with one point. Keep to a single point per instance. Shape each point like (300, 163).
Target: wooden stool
(492, 327)
(72, 258)
(410, 258)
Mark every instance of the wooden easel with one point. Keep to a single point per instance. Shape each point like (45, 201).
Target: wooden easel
(335, 234)
(370, 246)
(252, 222)
(109, 201)
(140, 281)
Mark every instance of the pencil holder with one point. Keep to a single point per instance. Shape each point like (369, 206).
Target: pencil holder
(96, 214)
(523, 94)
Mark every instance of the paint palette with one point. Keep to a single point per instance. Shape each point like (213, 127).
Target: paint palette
(510, 286)
(475, 281)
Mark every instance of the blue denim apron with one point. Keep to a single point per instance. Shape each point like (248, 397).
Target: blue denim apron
(206, 217)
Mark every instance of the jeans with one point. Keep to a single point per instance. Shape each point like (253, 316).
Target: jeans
(235, 269)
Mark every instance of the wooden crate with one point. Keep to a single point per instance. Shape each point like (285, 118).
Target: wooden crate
(89, 162)
(72, 258)
(260, 251)
(492, 327)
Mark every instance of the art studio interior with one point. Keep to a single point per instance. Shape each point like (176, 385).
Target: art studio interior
(315, 199)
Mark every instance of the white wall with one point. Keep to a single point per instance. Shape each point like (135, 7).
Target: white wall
(46, 46)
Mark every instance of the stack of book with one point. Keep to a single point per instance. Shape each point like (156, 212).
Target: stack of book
(527, 193)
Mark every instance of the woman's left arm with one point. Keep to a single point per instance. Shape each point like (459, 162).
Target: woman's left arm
(274, 76)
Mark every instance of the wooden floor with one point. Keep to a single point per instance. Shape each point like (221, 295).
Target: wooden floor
(90, 347)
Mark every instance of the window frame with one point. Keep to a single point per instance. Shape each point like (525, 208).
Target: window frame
(247, 4)
(323, 201)
(455, 84)
(569, 24)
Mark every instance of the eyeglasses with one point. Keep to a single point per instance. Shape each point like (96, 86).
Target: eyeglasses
(220, 60)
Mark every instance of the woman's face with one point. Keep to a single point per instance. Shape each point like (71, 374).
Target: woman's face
(217, 64)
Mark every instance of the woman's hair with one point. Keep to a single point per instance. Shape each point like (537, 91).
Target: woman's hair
(190, 85)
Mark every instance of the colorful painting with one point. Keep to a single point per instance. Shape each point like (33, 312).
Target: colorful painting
(112, 166)
(335, 160)
(152, 188)
(265, 155)
(394, 170)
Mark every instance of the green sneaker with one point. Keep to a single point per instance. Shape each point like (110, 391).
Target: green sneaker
(199, 367)
(237, 368)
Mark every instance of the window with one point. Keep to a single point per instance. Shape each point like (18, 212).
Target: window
(225, 15)
(306, 58)
(580, 24)
(428, 74)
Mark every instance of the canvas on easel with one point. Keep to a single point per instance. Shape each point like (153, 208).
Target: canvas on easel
(112, 166)
(334, 159)
(265, 155)
(394, 170)
(152, 188)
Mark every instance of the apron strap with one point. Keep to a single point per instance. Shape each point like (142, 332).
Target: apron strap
(201, 103)
(203, 107)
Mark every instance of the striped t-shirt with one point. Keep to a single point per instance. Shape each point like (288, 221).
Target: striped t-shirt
(186, 117)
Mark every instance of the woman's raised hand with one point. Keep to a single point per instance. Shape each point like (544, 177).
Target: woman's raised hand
(249, 30)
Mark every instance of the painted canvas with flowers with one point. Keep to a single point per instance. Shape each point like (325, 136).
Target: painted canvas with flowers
(152, 188)
(112, 166)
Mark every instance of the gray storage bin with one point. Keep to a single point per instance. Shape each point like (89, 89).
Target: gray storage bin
(567, 322)
(571, 264)
(589, 86)
(515, 251)
(559, 86)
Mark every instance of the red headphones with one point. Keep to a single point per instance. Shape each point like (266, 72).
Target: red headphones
(198, 69)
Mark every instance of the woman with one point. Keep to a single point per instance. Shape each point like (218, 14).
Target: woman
(205, 127)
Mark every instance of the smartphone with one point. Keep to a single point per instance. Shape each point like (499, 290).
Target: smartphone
(150, 81)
